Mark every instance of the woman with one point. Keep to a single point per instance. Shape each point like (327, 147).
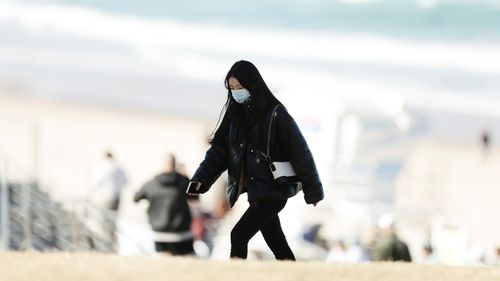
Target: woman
(239, 145)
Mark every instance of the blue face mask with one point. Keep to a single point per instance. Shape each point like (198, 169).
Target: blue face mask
(240, 96)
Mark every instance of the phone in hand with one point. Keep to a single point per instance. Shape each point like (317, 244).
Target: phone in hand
(194, 188)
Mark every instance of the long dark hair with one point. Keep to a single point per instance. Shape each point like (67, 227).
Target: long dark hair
(261, 97)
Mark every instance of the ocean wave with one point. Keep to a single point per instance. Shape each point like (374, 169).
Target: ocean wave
(452, 19)
(151, 37)
(297, 61)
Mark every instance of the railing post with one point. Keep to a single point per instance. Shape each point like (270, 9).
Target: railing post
(4, 207)
(26, 214)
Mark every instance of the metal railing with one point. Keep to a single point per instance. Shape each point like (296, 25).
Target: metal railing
(31, 219)
(40, 223)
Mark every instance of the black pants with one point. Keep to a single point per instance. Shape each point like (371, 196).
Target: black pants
(175, 248)
(261, 216)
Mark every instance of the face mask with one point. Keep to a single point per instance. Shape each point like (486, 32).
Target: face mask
(240, 96)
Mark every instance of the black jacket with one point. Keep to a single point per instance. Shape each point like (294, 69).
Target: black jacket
(389, 247)
(168, 208)
(238, 149)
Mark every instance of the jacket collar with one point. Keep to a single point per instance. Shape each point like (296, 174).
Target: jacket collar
(250, 113)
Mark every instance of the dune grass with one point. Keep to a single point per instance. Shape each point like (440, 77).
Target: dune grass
(97, 267)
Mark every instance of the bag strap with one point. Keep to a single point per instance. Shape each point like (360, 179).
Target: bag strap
(268, 147)
(273, 114)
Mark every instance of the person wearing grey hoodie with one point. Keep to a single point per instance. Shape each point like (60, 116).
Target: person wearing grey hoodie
(168, 211)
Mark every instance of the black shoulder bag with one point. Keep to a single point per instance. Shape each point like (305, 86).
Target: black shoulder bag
(283, 172)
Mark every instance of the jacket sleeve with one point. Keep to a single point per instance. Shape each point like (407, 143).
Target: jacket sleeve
(141, 194)
(216, 159)
(290, 136)
(214, 164)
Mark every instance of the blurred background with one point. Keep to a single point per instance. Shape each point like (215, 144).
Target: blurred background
(399, 101)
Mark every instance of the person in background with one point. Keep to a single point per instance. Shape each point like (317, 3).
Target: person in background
(199, 222)
(388, 246)
(340, 252)
(108, 180)
(486, 144)
(312, 235)
(245, 145)
(428, 254)
(337, 252)
(497, 256)
(357, 253)
(168, 211)
(485, 139)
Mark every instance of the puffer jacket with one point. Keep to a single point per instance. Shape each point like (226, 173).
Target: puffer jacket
(168, 209)
(241, 150)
